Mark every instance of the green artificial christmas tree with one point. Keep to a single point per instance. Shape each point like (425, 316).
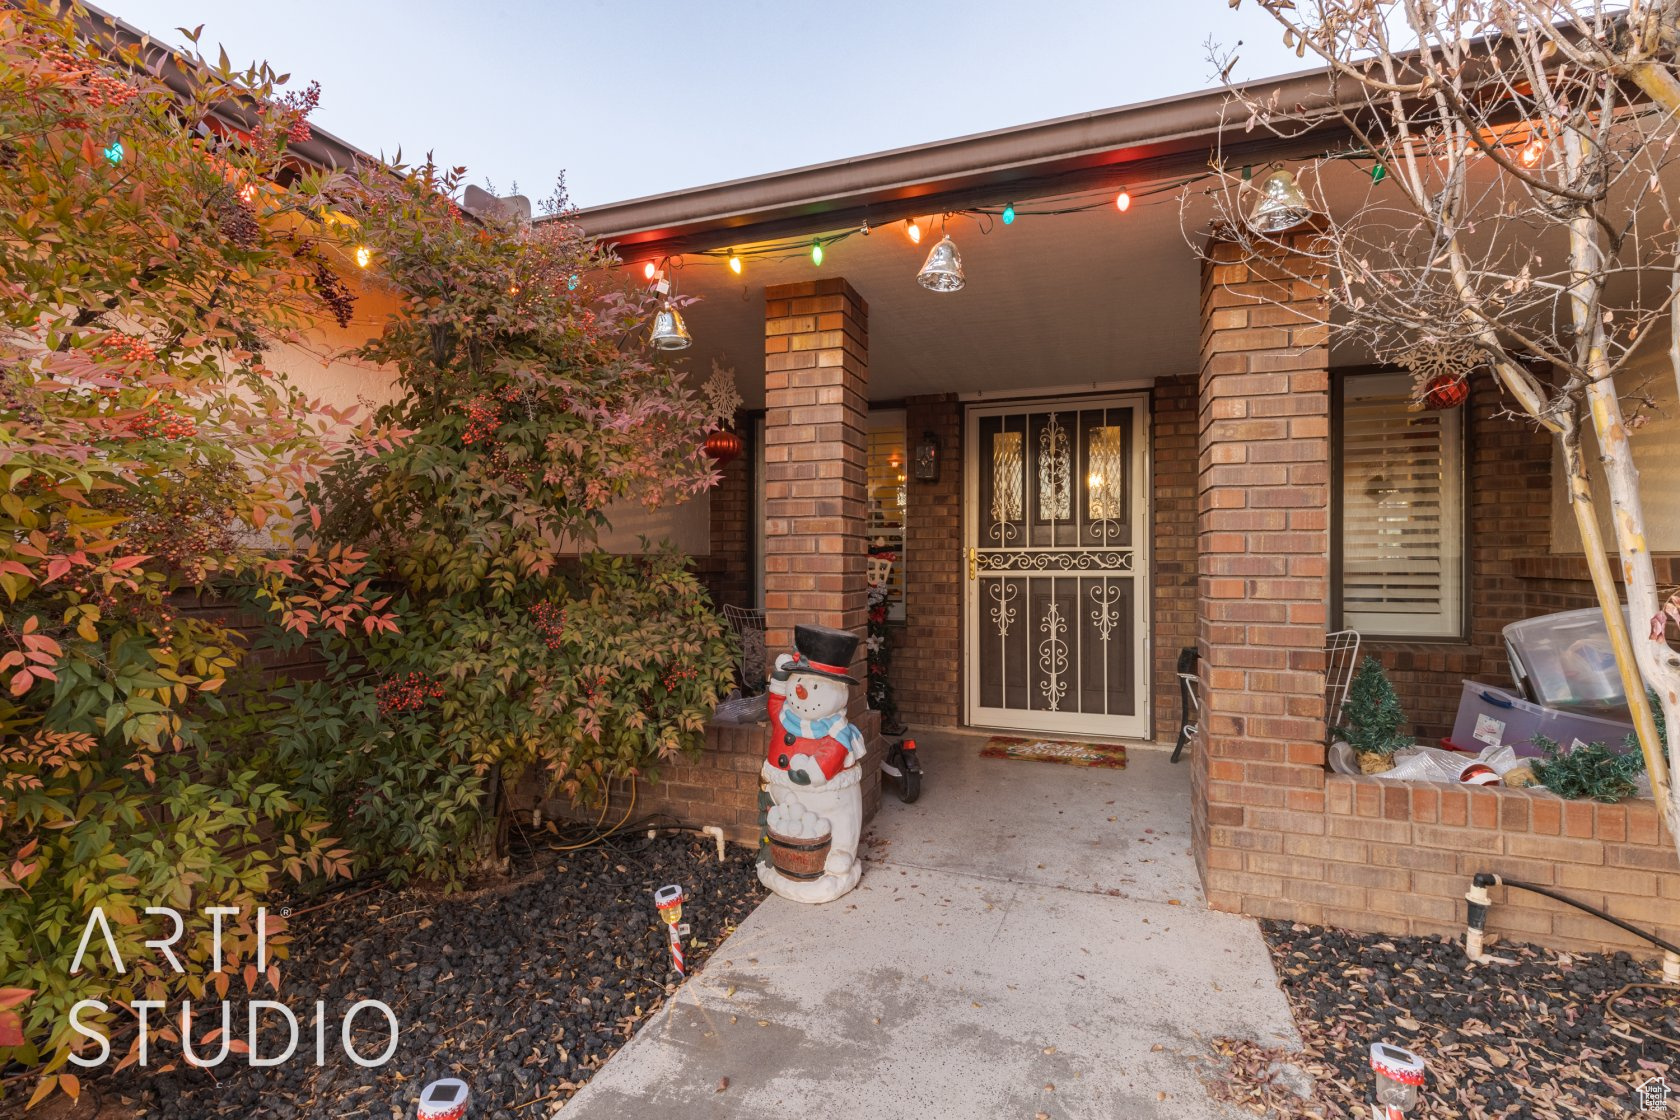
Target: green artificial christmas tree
(1372, 718)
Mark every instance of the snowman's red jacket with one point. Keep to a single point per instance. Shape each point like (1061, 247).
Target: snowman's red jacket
(829, 753)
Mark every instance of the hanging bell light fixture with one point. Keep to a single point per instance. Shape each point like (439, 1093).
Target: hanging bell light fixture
(1280, 206)
(668, 330)
(943, 271)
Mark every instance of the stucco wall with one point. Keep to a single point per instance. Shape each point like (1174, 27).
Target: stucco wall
(1656, 452)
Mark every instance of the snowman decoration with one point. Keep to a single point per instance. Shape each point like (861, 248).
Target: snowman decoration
(811, 771)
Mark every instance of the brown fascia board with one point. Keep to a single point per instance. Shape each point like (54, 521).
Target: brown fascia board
(1153, 140)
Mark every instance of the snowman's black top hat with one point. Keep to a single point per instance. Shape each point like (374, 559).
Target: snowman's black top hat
(824, 651)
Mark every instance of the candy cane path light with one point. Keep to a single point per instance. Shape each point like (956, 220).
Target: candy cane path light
(669, 902)
(1399, 1073)
(443, 1100)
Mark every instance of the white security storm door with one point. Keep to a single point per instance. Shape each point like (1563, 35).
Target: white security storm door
(1056, 546)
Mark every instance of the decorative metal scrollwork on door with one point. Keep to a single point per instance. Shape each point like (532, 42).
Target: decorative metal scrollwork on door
(1055, 472)
(1008, 485)
(1106, 616)
(1053, 656)
(1003, 613)
(1055, 549)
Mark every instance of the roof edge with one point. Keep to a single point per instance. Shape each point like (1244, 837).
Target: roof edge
(884, 186)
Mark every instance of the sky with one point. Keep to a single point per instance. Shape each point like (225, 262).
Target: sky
(632, 99)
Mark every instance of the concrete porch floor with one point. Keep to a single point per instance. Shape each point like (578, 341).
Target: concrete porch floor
(1024, 937)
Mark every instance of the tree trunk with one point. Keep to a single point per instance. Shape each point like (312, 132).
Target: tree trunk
(1647, 660)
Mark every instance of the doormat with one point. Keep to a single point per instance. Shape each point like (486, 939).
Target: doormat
(1069, 753)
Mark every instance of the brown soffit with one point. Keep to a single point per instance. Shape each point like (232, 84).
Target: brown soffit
(1153, 140)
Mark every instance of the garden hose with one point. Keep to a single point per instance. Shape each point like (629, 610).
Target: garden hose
(1479, 902)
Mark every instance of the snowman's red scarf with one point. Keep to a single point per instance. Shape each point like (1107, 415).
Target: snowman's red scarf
(835, 727)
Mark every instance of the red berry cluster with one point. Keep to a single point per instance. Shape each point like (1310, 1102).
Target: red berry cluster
(589, 690)
(407, 693)
(484, 416)
(298, 105)
(162, 420)
(678, 673)
(128, 347)
(102, 89)
(550, 622)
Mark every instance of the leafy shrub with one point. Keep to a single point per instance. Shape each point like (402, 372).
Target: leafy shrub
(409, 740)
(523, 418)
(145, 448)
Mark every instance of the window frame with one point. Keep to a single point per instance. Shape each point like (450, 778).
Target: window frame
(1337, 618)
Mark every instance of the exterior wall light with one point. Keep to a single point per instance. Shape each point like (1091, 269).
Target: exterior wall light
(927, 458)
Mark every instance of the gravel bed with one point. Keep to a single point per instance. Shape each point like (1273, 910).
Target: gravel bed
(1545, 1036)
(522, 990)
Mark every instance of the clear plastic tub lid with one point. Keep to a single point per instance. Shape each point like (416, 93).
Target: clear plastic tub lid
(1565, 660)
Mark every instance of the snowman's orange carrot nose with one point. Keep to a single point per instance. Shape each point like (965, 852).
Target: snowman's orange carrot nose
(799, 691)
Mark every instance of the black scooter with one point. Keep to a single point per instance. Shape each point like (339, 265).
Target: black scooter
(902, 764)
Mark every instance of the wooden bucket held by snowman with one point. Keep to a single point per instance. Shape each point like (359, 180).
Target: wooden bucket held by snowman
(799, 858)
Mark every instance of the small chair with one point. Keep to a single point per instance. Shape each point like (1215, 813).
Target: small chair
(748, 624)
(1189, 698)
(1341, 658)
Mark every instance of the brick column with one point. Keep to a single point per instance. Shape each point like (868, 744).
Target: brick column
(816, 445)
(928, 661)
(1262, 576)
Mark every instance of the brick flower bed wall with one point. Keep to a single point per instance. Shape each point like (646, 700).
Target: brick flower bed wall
(720, 785)
(1397, 857)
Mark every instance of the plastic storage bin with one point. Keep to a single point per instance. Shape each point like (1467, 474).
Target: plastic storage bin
(1565, 661)
(1489, 716)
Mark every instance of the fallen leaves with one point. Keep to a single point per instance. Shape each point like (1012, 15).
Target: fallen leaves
(1545, 1036)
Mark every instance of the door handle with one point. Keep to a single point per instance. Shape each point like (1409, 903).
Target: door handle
(973, 563)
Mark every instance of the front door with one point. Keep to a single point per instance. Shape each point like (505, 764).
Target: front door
(1056, 549)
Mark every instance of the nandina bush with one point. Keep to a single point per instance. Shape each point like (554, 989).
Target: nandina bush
(411, 742)
(147, 262)
(527, 406)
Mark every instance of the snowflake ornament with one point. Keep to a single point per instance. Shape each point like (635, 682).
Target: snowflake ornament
(720, 392)
(1439, 359)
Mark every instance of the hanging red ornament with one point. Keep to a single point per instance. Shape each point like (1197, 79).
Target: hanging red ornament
(1448, 390)
(724, 447)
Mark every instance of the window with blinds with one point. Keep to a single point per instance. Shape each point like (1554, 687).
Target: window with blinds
(1402, 512)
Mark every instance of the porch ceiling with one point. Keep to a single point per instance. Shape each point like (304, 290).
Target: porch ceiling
(1050, 301)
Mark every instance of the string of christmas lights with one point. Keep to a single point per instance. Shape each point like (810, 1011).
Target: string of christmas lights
(1279, 205)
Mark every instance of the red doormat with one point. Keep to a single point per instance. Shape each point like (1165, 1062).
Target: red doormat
(1068, 752)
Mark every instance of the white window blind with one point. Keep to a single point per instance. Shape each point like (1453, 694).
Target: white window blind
(1402, 511)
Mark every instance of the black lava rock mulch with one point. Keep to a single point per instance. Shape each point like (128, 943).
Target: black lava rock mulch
(1545, 1037)
(523, 991)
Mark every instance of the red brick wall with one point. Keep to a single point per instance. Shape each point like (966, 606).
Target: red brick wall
(928, 661)
(1172, 588)
(1397, 858)
(816, 443)
(727, 569)
(719, 785)
(1263, 559)
(1561, 583)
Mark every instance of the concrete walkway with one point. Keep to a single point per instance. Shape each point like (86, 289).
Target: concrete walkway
(1028, 938)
